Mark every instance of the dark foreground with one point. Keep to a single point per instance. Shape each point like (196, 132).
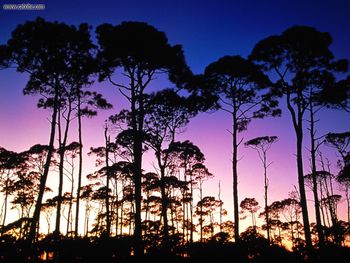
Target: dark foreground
(120, 250)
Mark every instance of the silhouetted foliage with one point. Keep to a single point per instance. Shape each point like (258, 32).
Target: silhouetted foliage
(132, 212)
(301, 58)
(238, 83)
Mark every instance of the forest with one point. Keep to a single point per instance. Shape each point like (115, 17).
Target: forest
(127, 213)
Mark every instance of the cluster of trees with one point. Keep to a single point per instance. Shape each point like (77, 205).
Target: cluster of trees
(157, 208)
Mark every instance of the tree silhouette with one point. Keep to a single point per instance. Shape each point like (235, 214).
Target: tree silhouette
(167, 114)
(106, 172)
(185, 155)
(274, 211)
(71, 152)
(239, 83)
(252, 206)
(290, 208)
(320, 82)
(341, 142)
(143, 54)
(293, 56)
(64, 115)
(25, 189)
(10, 163)
(47, 51)
(205, 210)
(344, 180)
(163, 213)
(337, 95)
(87, 104)
(47, 209)
(262, 145)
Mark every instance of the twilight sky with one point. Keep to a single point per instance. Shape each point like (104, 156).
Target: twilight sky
(207, 30)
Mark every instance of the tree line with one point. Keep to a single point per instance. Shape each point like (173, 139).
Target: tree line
(157, 208)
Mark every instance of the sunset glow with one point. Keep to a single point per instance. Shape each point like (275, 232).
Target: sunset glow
(206, 31)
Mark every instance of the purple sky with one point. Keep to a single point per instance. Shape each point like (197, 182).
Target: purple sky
(207, 31)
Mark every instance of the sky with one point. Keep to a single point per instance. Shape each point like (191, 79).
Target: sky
(207, 30)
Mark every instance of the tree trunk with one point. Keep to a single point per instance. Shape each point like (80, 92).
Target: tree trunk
(265, 197)
(137, 126)
(62, 149)
(121, 216)
(201, 211)
(220, 212)
(36, 216)
(5, 203)
(314, 179)
(116, 209)
(297, 119)
(292, 232)
(303, 203)
(108, 221)
(138, 194)
(235, 176)
(164, 199)
(70, 210)
(347, 196)
(191, 210)
(80, 169)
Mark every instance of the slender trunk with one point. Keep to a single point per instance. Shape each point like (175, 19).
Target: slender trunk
(298, 231)
(121, 217)
(220, 218)
(191, 210)
(137, 118)
(201, 211)
(137, 152)
(130, 221)
(298, 127)
(185, 207)
(327, 215)
(21, 227)
(60, 175)
(323, 216)
(70, 219)
(212, 225)
(86, 220)
(116, 210)
(303, 202)
(5, 202)
(80, 168)
(132, 218)
(292, 232)
(332, 205)
(314, 178)
(172, 209)
(325, 222)
(266, 185)
(235, 175)
(138, 194)
(164, 200)
(177, 212)
(183, 216)
(36, 216)
(279, 234)
(108, 221)
(347, 196)
(334, 216)
(62, 149)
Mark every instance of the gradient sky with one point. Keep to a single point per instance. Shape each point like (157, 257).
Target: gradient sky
(207, 30)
